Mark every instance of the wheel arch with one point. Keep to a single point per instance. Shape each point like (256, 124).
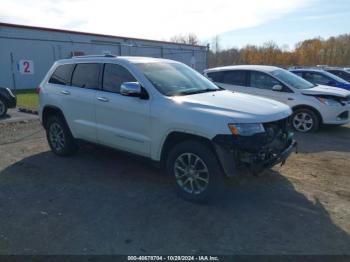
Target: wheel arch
(50, 111)
(176, 137)
(4, 98)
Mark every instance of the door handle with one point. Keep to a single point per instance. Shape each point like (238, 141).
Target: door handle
(290, 98)
(102, 99)
(65, 92)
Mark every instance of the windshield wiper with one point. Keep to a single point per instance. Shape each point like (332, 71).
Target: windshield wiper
(197, 91)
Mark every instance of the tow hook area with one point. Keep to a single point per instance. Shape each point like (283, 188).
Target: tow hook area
(295, 151)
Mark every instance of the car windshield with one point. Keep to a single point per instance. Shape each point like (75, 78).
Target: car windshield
(292, 79)
(173, 79)
(334, 77)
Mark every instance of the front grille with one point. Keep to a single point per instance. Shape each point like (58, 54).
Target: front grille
(276, 128)
(278, 135)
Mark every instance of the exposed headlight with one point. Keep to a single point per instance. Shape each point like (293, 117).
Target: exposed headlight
(10, 92)
(246, 129)
(328, 101)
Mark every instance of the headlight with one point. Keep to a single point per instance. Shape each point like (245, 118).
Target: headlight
(10, 92)
(246, 129)
(328, 101)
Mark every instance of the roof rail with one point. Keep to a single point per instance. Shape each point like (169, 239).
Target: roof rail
(91, 56)
(306, 67)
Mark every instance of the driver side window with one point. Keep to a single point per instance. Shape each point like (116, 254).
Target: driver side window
(316, 78)
(114, 76)
(262, 81)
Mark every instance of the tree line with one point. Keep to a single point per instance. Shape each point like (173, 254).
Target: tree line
(334, 51)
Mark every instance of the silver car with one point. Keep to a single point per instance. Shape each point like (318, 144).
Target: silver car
(312, 105)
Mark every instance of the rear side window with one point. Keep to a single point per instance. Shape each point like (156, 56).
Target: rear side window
(62, 75)
(298, 73)
(86, 76)
(215, 76)
(235, 77)
(341, 74)
(114, 76)
(316, 78)
(334, 72)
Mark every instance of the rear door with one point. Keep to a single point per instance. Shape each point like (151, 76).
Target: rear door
(123, 122)
(79, 100)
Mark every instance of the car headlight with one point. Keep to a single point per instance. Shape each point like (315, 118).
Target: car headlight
(10, 92)
(246, 129)
(328, 101)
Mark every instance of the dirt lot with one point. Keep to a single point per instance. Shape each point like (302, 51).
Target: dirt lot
(105, 202)
(14, 115)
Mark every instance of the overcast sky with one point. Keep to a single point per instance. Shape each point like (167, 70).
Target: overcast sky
(238, 22)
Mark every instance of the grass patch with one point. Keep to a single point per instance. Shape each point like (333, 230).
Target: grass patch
(27, 98)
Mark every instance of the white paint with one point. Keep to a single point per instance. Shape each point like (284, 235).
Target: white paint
(299, 97)
(140, 126)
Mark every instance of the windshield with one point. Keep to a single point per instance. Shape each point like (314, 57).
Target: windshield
(292, 79)
(336, 78)
(173, 79)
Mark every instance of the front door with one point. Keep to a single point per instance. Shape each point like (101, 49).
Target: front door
(123, 122)
(261, 84)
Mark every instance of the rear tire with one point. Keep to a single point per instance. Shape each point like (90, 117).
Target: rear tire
(3, 107)
(59, 137)
(195, 170)
(305, 120)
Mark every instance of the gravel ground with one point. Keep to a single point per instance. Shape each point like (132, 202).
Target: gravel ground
(14, 115)
(105, 202)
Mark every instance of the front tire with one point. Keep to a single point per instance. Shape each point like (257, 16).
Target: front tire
(305, 120)
(195, 170)
(59, 137)
(3, 107)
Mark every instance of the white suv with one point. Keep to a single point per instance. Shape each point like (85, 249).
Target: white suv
(165, 111)
(312, 105)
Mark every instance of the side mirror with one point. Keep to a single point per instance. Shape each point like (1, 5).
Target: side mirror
(131, 89)
(277, 88)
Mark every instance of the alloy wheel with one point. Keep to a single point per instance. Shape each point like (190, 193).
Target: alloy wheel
(56, 136)
(303, 122)
(191, 173)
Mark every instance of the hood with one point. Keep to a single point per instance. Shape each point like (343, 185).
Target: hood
(344, 86)
(242, 108)
(326, 90)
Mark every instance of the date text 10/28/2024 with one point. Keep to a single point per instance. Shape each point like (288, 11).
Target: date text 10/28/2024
(173, 258)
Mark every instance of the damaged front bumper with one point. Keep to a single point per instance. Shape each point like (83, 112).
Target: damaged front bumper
(276, 159)
(255, 153)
